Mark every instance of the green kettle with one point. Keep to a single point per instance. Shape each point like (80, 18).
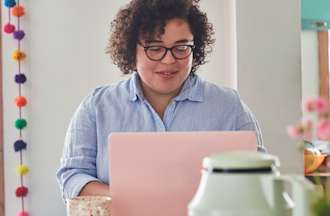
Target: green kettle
(247, 183)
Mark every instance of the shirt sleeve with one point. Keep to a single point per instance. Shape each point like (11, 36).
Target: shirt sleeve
(246, 121)
(78, 162)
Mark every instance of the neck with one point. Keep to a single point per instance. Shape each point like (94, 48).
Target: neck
(159, 101)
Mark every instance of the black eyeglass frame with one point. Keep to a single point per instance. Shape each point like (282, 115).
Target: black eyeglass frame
(192, 47)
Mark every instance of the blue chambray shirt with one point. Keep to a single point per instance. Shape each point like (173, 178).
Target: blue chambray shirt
(200, 106)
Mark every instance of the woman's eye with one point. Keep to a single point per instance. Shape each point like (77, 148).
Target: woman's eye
(181, 48)
(155, 49)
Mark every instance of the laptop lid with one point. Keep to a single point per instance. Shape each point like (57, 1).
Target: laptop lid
(156, 173)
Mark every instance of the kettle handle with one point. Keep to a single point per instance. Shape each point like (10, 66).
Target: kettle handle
(304, 193)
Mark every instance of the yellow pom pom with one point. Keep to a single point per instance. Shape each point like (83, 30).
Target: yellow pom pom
(22, 169)
(18, 55)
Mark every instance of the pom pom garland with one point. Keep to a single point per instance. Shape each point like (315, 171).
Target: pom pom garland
(22, 213)
(20, 123)
(20, 101)
(19, 35)
(22, 169)
(21, 191)
(20, 78)
(9, 3)
(9, 28)
(19, 145)
(18, 55)
(17, 11)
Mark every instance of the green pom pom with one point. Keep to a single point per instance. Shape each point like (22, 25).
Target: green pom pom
(20, 123)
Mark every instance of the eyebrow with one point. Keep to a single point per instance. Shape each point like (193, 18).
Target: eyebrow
(176, 42)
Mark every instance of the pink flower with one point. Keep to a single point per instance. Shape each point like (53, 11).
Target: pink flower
(300, 131)
(320, 105)
(294, 132)
(323, 130)
(310, 104)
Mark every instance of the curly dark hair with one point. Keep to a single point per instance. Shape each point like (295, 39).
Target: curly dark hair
(148, 18)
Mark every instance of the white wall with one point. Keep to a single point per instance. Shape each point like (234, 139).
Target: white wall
(269, 71)
(65, 46)
(222, 65)
(310, 65)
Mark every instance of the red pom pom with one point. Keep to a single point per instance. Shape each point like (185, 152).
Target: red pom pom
(21, 191)
(20, 101)
(9, 28)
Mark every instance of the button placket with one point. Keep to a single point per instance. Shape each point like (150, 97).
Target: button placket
(169, 113)
(160, 126)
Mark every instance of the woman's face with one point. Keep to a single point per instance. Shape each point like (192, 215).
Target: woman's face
(166, 76)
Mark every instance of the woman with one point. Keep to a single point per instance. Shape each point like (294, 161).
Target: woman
(162, 44)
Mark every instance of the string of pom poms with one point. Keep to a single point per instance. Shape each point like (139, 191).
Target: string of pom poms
(15, 9)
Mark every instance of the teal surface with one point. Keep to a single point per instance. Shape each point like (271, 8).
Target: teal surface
(315, 14)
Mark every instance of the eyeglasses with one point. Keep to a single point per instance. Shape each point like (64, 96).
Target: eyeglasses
(157, 53)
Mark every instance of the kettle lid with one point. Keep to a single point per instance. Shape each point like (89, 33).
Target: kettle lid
(240, 160)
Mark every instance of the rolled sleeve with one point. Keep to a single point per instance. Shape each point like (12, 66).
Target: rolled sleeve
(78, 163)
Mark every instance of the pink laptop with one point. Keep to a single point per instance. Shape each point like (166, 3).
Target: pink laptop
(157, 174)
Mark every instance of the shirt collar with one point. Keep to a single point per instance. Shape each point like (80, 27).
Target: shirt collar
(193, 89)
(135, 88)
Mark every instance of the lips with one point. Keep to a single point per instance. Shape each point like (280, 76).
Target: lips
(166, 74)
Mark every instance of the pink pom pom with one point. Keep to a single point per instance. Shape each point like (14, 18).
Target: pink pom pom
(9, 28)
(22, 213)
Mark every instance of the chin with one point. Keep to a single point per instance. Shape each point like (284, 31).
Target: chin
(168, 91)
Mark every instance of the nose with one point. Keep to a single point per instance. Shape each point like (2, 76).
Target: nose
(168, 58)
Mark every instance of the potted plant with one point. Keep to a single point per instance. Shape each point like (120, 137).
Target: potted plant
(314, 128)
